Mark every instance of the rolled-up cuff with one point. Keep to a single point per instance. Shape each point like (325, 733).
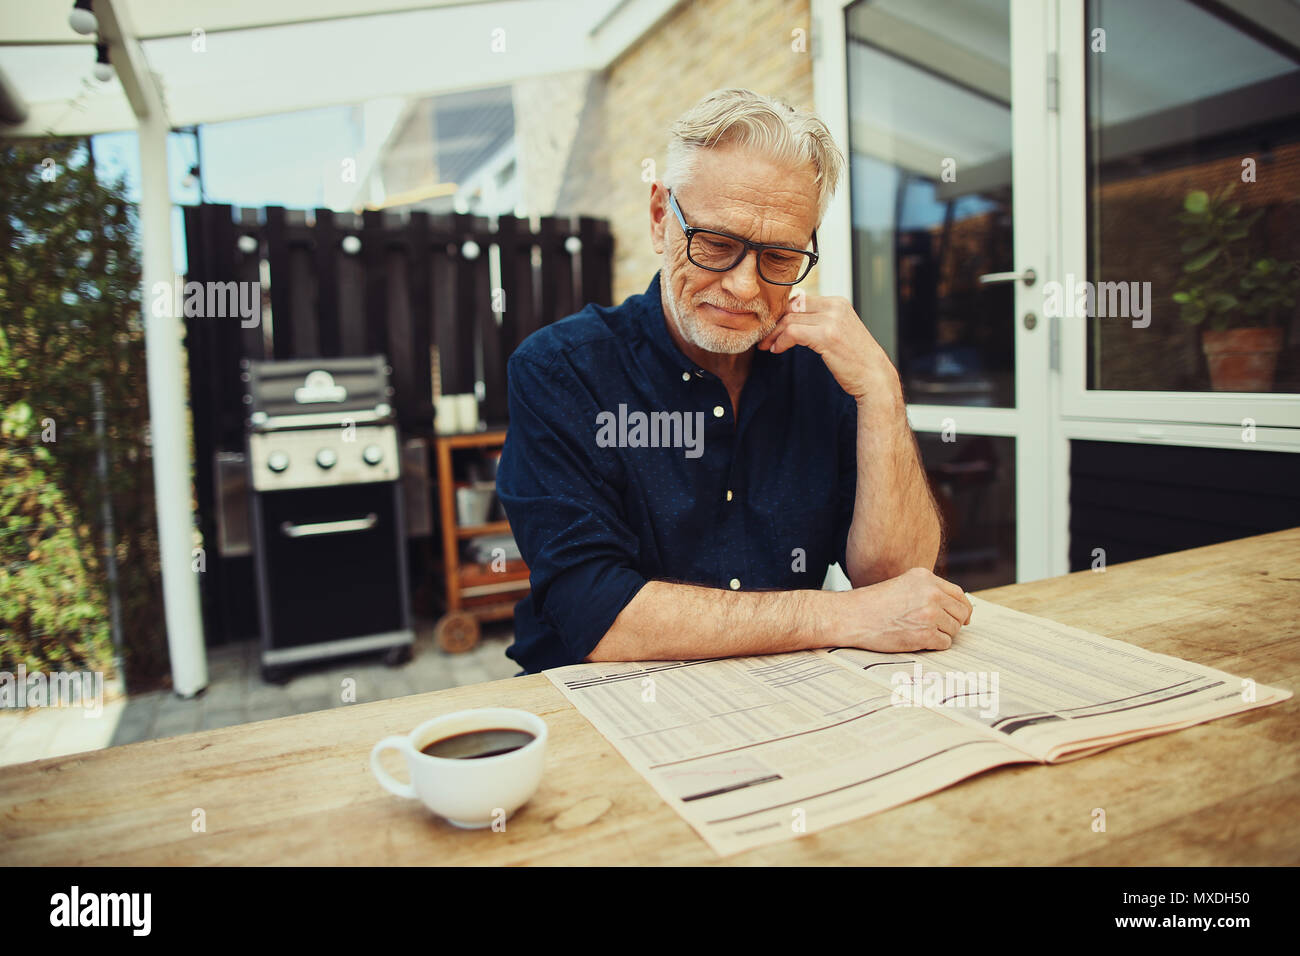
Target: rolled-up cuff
(583, 602)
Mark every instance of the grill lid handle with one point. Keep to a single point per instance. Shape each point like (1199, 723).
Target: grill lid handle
(291, 530)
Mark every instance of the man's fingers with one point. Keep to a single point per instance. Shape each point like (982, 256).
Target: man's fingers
(952, 589)
(770, 339)
(941, 640)
(960, 607)
(790, 332)
(785, 337)
(778, 341)
(949, 623)
(767, 340)
(957, 611)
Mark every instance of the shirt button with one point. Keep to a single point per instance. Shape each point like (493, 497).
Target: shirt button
(718, 412)
(735, 584)
(686, 376)
(728, 494)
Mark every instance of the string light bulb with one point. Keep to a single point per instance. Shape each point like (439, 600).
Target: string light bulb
(103, 69)
(82, 19)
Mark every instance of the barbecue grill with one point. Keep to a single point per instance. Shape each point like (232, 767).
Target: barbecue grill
(327, 515)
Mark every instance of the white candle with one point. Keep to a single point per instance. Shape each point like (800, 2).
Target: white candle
(467, 412)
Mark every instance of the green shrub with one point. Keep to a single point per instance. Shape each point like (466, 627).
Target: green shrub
(49, 588)
(70, 315)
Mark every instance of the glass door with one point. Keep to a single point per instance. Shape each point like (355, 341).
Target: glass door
(946, 113)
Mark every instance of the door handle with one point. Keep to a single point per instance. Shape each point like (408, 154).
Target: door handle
(292, 530)
(1028, 277)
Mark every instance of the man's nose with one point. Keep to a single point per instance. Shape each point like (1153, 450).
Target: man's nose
(743, 282)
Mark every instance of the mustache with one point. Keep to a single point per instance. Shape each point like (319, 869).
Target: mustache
(759, 310)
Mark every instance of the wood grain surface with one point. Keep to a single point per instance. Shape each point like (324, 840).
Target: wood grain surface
(298, 790)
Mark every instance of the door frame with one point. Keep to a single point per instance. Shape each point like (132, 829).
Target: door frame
(1042, 451)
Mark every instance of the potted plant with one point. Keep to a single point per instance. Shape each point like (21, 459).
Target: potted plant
(1244, 297)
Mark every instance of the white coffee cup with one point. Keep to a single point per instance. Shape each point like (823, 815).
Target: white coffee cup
(469, 792)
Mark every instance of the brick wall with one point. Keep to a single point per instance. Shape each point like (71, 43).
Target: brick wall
(547, 114)
(702, 45)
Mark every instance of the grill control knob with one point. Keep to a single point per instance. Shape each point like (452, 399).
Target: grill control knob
(277, 461)
(372, 454)
(326, 458)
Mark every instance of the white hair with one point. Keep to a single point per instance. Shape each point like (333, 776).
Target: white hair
(774, 129)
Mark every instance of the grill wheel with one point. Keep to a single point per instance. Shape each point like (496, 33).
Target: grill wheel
(457, 632)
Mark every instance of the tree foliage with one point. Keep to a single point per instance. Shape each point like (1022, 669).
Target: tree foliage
(70, 315)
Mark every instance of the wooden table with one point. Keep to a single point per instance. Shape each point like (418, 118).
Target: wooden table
(299, 789)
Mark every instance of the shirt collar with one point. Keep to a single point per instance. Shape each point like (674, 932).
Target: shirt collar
(656, 330)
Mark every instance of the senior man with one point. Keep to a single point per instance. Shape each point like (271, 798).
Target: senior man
(681, 469)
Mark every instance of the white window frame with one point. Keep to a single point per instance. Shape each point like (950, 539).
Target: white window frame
(1214, 419)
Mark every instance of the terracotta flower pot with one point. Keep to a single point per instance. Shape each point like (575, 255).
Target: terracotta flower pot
(1242, 360)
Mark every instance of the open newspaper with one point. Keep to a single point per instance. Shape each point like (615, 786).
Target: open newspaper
(756, 750)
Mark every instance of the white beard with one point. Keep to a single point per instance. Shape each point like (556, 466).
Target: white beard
(704, 335)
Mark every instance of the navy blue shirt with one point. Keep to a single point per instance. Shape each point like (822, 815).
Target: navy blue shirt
(756, 501)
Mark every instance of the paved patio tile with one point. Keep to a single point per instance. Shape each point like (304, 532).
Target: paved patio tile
(309, 705)
(137, 720)
(172, 703)
(177, 722)
(468, 672)
(310, 685)
(252, 678)
(32, 737)
(499, 666)
(226, 693)
(462, 665)
(228, 717)
(227, 661)
(382, 683)
(271, 710)
(147, 702)
(131, 734)
(10, 719)
(77, 733)
(264, 694)
(430, 671)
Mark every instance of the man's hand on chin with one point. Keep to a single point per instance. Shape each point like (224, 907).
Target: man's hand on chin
(829, 326)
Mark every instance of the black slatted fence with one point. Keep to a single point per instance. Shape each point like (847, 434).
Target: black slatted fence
(340, 284)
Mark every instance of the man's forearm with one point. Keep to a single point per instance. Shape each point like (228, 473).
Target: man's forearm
(895, 522)
(667, 621)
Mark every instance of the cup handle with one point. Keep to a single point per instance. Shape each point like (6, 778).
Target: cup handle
(385, 780)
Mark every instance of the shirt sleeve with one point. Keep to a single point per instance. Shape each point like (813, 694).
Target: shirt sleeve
(848, 480)
(565, 511)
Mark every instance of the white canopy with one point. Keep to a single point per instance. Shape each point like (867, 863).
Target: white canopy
(242, 58)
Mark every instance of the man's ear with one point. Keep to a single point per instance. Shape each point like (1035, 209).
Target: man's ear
(658, 212)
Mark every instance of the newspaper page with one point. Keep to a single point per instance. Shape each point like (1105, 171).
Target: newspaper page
(757, 750)
(1056, 692)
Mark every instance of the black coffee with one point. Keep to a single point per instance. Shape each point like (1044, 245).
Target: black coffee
(478, 743)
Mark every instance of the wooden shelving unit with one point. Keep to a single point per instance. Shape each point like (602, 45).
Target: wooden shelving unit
(474, 592)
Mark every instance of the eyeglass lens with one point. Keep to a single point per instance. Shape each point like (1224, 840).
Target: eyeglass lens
(710, 251)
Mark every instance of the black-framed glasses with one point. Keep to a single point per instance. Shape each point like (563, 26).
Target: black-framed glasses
(722, 252)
